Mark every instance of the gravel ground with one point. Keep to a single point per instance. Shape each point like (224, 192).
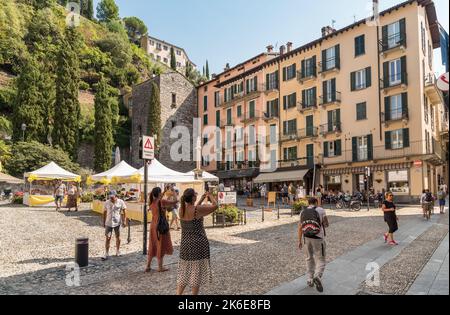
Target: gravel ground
(397, 276)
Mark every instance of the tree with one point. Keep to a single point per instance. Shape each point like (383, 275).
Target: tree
(89, 12)
(32, 155)
(30, 106)
(107, 10)
(154, 113)
(173, 59)
(103, 128)
(67, 107)
(207, 70)
(135, 28)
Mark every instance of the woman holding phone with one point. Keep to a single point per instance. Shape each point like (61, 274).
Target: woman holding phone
(194, 267)
(390, 217)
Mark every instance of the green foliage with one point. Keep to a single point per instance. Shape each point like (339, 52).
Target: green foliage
(5, 126)
(231, 213)
(29, 156)
(67, 106)
(173, 60)
(299, 205)
(87, 125)
(135, 28)
(7, 96)
(207, 70)
(5, 152)
(87, 197)
(107, 10)
(154, 115)
(103, 128)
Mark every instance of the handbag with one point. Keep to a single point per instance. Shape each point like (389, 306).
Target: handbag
(163, 226)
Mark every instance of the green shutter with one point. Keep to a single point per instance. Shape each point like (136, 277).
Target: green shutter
(387, 108)
(368, 77)
(353, 81)
(333, 89)
(314, 96)
(325, 149)
(330, 121)
(324, 60)
(255, 83)
(406, 138)
(267, 81)
(303, 98)
(303, 70)
(338, 148)
(325, 91)
(285, 127)
(387, 140)
(338, 56)
(403, 31)
(268, 108)
(314, 62)
(285, 102)
(309, 125)
(404, 77)
(247, 86)
(386, 74)
(355, 149)
(218, 118)
(310, 154)
(338, 117)
(384, 37)
(370, 147)
(284, 74)
(277, 79)
(405, 104)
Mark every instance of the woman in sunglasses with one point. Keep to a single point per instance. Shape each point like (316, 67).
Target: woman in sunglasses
(390, 217)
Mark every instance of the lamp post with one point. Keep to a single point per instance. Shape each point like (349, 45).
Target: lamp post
(23, 127)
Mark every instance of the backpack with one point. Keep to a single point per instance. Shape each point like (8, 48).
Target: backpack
(429, 197)
(163, 226)
(311, 223)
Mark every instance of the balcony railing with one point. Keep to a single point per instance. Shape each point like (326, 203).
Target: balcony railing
(271, 87)
(398, 79)
(309, 132)
(289, 136)
(330, 98)
(250, 116)
(227, 123)
(232, 166)
(393, 41)
(331, 128)
(394, 115)
(329, 64)
(271, 115)
(307, 74)
(303, 107)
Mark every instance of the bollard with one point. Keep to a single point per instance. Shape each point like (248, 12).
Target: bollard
(262, 211)
(82, 252)
(278, 209)
(245, 216)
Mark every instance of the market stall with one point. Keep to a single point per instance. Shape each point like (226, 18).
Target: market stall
(40, 184)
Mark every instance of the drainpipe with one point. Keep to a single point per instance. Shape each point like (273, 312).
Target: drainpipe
(375, 17)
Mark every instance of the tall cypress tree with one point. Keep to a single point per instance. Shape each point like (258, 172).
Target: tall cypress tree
(29, 105)
(67, 106)
(103, 128)
(89, 13)
(173, 60)
(207, 70)
(154, 114)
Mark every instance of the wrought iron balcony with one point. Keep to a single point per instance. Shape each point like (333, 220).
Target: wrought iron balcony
(330, 98)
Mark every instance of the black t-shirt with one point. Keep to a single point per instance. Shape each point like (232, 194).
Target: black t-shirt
(389, 205)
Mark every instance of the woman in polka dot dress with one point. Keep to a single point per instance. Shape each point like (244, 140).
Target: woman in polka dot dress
(194, 267)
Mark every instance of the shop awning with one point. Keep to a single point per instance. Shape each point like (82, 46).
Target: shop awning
(5, 178)
(278, 177)
(238, 174)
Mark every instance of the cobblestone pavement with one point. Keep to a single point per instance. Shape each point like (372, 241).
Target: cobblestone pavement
(37, 244)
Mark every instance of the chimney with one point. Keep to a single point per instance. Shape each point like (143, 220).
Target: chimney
(269, 48)
(376, 8)
(282, 49)
(289, 46)
(327, 30)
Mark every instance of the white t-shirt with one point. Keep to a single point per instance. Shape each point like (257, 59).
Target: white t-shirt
(113, 212)
(322, 214)
(60, 190)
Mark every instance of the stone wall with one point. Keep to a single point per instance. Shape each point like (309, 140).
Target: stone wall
(180, 113)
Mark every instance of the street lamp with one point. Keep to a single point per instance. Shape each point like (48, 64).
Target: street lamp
(23, 127)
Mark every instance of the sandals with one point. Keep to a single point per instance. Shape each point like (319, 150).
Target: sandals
(393, 243)
(386, 237)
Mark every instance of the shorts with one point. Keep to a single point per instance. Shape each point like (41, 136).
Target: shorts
(442, 202)
(109, 230)
(175, 213)
(391, 220)
(59, 199)
(285, 195)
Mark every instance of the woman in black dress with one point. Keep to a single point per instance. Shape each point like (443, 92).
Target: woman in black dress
(194, 267)
(390, 217)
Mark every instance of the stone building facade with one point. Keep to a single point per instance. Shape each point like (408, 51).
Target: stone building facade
(178, 108)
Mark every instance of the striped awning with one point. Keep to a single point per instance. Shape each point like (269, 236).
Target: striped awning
(374, 168)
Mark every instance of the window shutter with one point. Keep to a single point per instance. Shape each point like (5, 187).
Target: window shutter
(338, 117)
(356, 46)
(277, 79)
(247, 86)
(325, 149)
(404, 78)
(285, 127)
(242, 86)
(314, 65)
(324, 60)
(405, 104)
(285, 102)
(325, 91)
(338, 148)
(387, 140)
(267, 81)
(284, 74)
(268, 108)
(314, 96)
(303, 98)
(387, 108)
(403, 31)
(294, 99)
(353, 81)
(333, 89)
(330, 121)
(255, 84)
(338, 56)
(370, 147)
(406, 138)
(355, 149)
(303, 70)
(309, 122)
(386, 74)
(368, 77)
(294, 69)
(384, 37)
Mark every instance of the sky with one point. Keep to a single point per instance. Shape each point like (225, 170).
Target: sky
(232, 31)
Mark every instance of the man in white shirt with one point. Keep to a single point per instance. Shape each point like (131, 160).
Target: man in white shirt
(59, 193)
(113, 218)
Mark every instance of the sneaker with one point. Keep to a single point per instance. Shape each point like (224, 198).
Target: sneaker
(105, 258)
(318, 284)
(393, 243)
(386, 236)
(310, 283)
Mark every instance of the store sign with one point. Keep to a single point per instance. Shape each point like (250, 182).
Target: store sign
(227, 198)
(398, 176)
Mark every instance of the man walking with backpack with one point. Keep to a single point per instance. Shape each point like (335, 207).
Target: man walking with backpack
(427, 201)
(311, 235)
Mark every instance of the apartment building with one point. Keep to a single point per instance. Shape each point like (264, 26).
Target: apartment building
(358, 100)
(159, 50)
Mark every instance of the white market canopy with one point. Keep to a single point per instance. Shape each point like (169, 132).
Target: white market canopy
(158, 173)
(52, 171)
(206, 177)
(118, 174)
(5, 178)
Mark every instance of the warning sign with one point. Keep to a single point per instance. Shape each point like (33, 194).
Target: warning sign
(148, 148)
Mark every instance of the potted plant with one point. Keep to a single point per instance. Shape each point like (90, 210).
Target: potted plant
(299, 206)
(17, 198)
(227, 213)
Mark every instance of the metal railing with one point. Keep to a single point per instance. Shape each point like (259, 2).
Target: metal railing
(330, 128)
(307, 73)
(273, 86)
(271, 115)
(394, 80)
(330, 98)
(309, 132)
(250, 116)
(302, 106)
(329, 64)
(394, 115)
(393, 41)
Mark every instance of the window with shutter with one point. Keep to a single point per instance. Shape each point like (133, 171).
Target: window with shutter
(361, 111)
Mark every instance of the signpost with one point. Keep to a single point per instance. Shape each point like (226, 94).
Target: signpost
(148, 154)
(368, 170)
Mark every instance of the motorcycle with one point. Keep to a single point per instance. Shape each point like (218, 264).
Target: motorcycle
(347, 202)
